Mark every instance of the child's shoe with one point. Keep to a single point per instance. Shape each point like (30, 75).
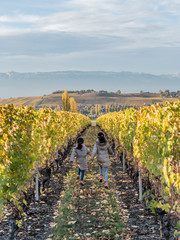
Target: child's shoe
(78, 176)
(100, 178)
(106, 185)
(82, 183)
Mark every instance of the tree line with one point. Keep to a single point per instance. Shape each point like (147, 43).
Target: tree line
(167, 93)
(88, 91)
(96, 110)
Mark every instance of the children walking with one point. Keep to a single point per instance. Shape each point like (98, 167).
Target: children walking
(80, 152)
(102, 149)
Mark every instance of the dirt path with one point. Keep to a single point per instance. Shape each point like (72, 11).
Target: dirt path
(139, 223)
(89, 211)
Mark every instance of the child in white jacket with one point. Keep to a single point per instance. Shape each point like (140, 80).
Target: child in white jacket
(102, 149)
(80, 152)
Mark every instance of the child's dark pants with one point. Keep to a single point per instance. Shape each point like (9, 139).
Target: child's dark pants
(82, 173)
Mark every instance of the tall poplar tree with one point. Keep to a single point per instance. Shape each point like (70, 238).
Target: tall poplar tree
(97, 109)
(73, 105)
(106, 108)
(66, 101)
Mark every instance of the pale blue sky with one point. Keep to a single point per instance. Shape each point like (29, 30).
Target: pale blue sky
(116, 35)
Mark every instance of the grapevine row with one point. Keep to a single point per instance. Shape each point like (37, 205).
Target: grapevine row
(151, 138)
(28, 136)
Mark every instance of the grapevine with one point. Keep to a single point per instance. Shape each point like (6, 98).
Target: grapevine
(152, 136)
(28, 136)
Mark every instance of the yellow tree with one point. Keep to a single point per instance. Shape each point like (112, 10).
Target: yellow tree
(96, 109)
(73, 105)
(99, 108)
(66, 101)
(106, 108)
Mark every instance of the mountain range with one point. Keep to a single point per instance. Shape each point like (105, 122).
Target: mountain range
(15, 84)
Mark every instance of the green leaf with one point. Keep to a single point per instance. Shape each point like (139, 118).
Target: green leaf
(178, 224)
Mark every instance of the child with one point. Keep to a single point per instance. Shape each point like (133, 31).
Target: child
(102, 149)
(99, 135)
(80, 152)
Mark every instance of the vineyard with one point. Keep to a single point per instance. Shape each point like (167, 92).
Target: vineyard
(42, 197)
(150, 139)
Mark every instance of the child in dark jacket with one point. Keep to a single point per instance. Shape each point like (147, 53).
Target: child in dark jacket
(80, 152)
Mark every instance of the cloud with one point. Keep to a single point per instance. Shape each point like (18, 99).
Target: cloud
(87, 28)
(147, 24)
(20, 18)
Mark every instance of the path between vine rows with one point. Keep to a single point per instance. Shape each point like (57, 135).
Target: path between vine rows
(93, 211)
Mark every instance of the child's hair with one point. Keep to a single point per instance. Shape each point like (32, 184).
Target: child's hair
(100, 134)
(80, 142)
(102, 139)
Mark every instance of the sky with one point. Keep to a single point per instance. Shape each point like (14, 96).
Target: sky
(90, 35)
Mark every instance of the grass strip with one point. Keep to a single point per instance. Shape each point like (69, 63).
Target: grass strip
(88, 212)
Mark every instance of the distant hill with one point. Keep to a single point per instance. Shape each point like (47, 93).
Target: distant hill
(14, 84)
(91, 98)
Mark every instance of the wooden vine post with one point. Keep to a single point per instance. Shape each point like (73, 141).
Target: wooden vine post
(37, 182)
(123, 159)
(115, 152)
(140, 184)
